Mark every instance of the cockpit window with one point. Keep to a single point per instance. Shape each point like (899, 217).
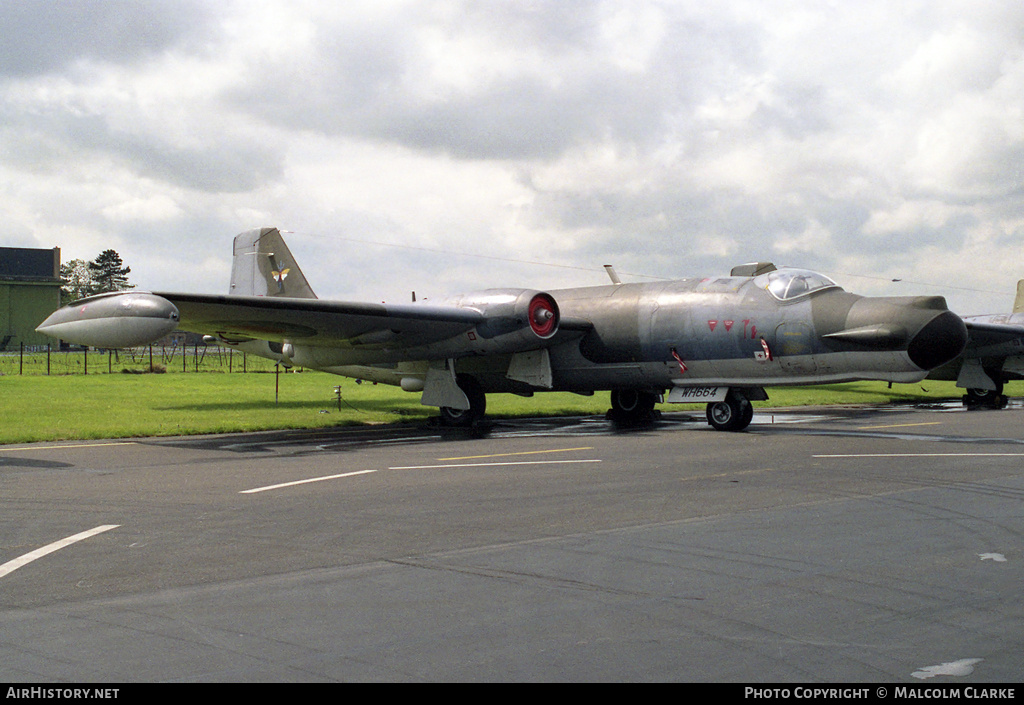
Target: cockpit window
(788, 284)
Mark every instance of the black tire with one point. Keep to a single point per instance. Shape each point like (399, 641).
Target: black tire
(633, 404)
(748, 414)
(733, 414)
(477, 404)
(984, 399)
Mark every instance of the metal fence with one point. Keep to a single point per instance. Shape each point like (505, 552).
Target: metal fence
(48, 360)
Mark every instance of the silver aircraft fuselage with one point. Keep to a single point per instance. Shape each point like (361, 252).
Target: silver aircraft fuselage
(726, 331)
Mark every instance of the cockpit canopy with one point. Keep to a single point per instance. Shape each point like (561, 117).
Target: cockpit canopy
(788, 284)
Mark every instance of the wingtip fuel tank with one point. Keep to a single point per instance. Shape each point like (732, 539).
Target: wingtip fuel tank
(116, 320)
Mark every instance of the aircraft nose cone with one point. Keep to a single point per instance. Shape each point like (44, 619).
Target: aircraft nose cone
(939, 341)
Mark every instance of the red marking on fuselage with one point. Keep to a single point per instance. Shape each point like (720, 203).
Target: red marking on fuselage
(682, 365)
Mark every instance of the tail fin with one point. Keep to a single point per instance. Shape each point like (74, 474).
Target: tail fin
(1018, 303)
(263, 266)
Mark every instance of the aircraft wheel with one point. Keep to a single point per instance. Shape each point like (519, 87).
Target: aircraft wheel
(632, 404)
(733, 414)
(748, 414)
(984, 398)
(477, 404)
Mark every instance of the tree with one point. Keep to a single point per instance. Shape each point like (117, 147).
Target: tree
(108, 274)
(103, 274)
(77, 281)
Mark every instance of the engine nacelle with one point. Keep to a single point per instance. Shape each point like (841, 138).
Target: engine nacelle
(116, 320)
(515, 320)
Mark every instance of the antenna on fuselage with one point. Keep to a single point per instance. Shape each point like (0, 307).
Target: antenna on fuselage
(612, 275)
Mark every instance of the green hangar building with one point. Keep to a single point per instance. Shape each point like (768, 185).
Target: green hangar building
(29, 292)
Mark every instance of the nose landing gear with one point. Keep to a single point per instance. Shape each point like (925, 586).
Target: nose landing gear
(733, 414)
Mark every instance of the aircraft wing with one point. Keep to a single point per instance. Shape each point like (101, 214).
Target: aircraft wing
(496, 321)
(321, 322)
(983, 333)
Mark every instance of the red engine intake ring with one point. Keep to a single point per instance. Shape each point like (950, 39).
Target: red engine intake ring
(543, 315)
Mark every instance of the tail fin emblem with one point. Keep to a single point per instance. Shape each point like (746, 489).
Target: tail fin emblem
(278, 272)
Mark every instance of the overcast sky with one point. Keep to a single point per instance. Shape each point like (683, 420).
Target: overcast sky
(443, 146)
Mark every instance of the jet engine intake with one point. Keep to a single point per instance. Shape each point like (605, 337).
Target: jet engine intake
(514, 320)
(543, 316)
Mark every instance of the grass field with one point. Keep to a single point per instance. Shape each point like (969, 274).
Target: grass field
(62, 407)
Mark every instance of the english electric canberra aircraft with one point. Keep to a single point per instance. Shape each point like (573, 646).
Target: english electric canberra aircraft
(715, 340)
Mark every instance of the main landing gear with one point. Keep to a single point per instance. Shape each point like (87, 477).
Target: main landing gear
(985, 398)
(632, 406)
(733, 414)
(464, 418)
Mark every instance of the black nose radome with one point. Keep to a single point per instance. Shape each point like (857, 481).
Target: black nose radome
(941, 340)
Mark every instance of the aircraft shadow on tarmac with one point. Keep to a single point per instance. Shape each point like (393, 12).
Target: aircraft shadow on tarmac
(349, 438)
(7, 461)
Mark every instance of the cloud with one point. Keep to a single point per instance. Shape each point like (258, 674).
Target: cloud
(873, 141)
(41, 36)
